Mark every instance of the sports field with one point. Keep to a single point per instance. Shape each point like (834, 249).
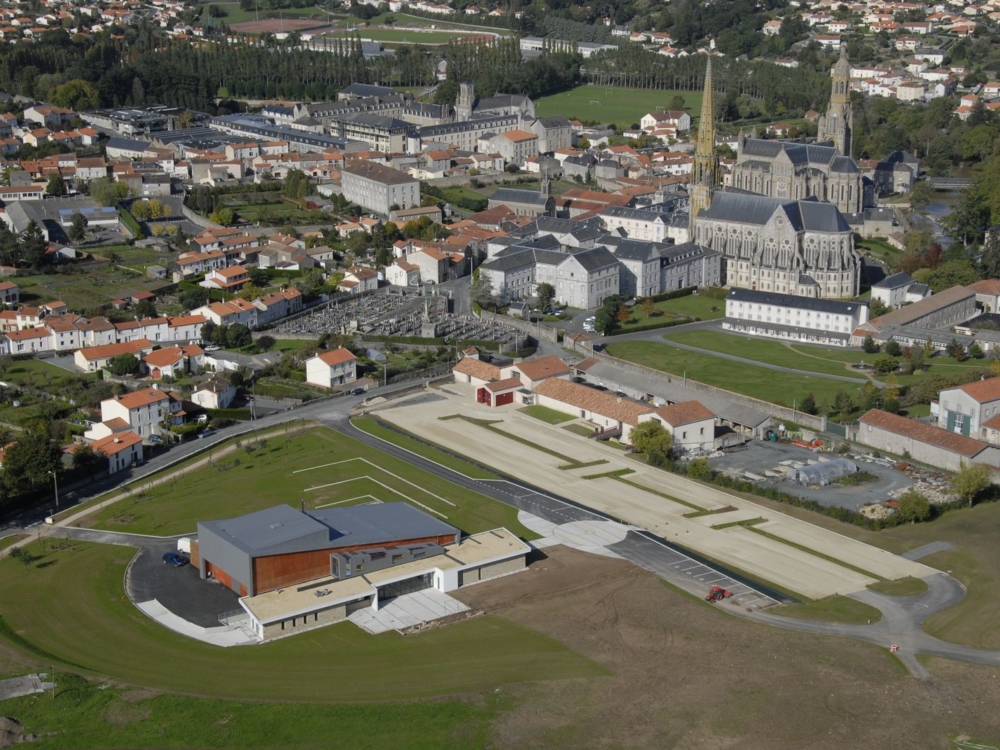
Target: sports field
(610, 104)
(401, 36)
(320, 467)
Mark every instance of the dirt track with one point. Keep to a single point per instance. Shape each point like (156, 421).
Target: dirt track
(687, 676)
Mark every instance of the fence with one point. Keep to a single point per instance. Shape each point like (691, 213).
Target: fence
(233, 616)
(775, 410)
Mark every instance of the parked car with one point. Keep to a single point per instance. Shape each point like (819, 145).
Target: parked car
(206, 433)
(175, 559)
(357, 391)
(155, 440)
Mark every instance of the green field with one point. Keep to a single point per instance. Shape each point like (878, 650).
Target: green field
(88, 715)
(284, 471)
(97, 630)
(809, 359)
(620, 106)
(376, 428)
(85, 290)
(235, 14)
(758, 382)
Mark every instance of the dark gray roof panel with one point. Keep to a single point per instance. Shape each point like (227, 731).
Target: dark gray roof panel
(282, 529)
(790, 300)
(894, 282)
(512, 195)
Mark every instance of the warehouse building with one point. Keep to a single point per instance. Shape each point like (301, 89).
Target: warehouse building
(297, 569)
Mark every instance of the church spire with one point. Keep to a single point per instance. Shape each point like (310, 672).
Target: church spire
(838, 123)
(705, 167)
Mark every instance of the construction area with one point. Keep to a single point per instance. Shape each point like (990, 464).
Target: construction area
(769, 545)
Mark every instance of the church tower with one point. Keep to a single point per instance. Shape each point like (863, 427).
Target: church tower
(706, 165)
(838, 123)
(466, 102)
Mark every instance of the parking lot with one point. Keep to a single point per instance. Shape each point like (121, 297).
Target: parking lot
(759, 457)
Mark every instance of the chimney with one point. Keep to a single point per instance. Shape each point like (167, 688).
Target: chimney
(303, 504)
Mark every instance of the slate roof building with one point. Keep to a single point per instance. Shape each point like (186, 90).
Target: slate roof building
(799, 247)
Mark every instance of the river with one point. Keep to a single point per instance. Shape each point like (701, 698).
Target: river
(942, 205)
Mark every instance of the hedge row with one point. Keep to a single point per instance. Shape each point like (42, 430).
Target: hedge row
(243, 415)
(674, 294)
(654, 326)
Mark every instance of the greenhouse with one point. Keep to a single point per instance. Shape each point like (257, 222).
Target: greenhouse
(824, 472)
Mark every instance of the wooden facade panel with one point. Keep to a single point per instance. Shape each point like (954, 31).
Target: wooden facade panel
(276, 571)
(219, 575)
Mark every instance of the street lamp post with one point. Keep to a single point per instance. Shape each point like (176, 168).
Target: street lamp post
(55, 480)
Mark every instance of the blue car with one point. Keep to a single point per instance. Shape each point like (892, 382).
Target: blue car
(175, 559)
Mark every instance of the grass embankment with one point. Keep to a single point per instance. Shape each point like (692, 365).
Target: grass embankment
(840, 609)
(97, 630)
(739, 377)
(902, 587)
(320, 467)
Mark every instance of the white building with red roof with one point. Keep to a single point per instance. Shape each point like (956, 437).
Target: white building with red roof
(331, 369)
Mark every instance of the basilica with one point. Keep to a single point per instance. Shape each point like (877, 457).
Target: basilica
(780, 227)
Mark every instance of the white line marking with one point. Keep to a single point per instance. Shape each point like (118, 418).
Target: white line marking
(341, 502)
(379, 468)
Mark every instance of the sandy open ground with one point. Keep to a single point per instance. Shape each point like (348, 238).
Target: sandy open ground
(770, 559)
(684, 677)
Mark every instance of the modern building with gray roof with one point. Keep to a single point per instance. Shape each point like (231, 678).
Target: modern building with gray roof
(798, 247)
(281, 546)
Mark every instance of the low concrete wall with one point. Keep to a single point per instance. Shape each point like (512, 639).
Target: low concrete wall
(544, 333)
(781, 412)
(306, 622)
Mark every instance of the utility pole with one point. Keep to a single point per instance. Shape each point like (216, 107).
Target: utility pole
(55, 479)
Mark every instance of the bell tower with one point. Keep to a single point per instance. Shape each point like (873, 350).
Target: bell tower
(838, 123)
(706, 164)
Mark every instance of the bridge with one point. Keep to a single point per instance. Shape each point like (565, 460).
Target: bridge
(949, 183)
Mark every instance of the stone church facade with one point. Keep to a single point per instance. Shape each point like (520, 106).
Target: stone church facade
(803, 247)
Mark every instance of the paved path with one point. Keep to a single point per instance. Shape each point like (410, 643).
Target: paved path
(927, 549)
(901, 624)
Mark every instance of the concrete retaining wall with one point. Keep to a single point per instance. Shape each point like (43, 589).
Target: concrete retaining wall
(306, 622)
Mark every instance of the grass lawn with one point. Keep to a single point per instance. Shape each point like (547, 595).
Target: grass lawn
(695, 306)
(292, 345)
(879, 249)
(832, 609)
(41, 374)
(621, 106)
(87, 715)
(902, 587)
(273, 474)
(546, 414)
(375, 427)
(773, 352)
(98, 630)
(758, 382)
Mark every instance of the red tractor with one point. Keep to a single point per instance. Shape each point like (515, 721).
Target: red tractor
(717, 594)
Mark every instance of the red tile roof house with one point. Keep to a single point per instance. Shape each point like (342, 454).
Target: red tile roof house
(922, 442)
(691, 423)
(531, 372)
(123, 450)
(333, 368)
(174, 361)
